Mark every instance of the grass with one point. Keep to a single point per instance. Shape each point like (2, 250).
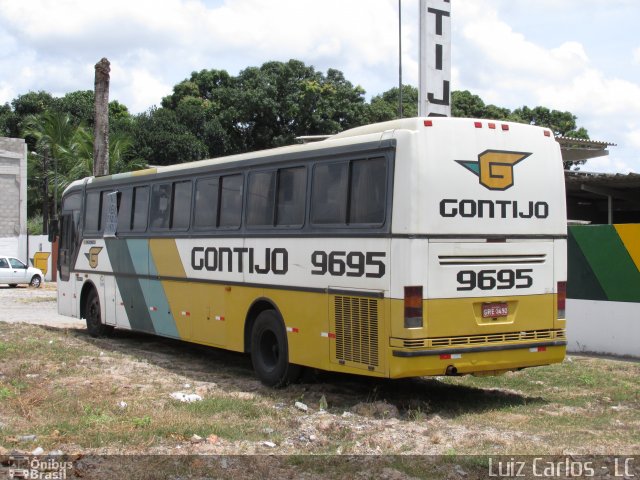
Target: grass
(67, 389)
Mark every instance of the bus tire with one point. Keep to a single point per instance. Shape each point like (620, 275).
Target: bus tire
(270, 351)
(92, 314)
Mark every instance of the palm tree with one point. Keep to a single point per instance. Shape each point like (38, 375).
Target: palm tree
(69, 148)
(53, 132)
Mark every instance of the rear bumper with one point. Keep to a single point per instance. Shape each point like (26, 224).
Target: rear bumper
(477, 359)
(489, 348)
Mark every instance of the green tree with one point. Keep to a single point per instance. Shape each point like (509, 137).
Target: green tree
(78, 159)
(281, 101)
(53, 133)
(264, 106)
(561, 123)
(467, 105)
(78, 105)
(384, 107)
(160, 139)
(8, 121)
(63, 153)
(32, 103)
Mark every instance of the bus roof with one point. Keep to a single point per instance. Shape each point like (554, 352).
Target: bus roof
(367, 133)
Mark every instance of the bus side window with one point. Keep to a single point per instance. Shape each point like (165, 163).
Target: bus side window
(124, 210)
(160, 206)
(206, 203)
(140, 209)
(231, 201)
(103, 209)
(181, 205)
(292, 186)
(260, 190)
(329, 193)
(92, 212)
(368, 191)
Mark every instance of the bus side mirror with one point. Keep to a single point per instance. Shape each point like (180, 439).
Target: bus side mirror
(53, 229)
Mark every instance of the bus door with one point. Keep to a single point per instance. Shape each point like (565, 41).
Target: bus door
(68, 246)
(110, 205)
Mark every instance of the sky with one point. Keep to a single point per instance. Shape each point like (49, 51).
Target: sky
(576, 55)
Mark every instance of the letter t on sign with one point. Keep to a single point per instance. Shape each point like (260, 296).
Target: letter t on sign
(435, 58)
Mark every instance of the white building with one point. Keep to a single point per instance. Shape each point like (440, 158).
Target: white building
(13, 197)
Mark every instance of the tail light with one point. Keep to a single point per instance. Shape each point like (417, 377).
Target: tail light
(412, 307)
(562, 298)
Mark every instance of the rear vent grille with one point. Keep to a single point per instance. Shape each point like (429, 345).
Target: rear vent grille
(490, 259)
(357, 330)
(484, 339)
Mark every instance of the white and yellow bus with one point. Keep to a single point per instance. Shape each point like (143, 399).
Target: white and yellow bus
(423, 246)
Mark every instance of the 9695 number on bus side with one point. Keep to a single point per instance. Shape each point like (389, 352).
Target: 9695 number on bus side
(505, 279)
(351, 264)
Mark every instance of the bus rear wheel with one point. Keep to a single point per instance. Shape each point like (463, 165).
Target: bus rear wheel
(270, 351)
(95, 327)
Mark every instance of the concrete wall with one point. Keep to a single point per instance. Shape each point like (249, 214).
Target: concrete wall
(13, 191)
(603, 289)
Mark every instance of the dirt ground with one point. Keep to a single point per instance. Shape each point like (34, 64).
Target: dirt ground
(33, 305)
(376, 428)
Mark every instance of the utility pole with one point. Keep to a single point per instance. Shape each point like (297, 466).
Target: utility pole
(101, 116)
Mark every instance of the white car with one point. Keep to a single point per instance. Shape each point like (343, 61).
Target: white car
(13, 272)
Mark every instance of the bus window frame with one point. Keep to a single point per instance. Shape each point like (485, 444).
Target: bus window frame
(276, 170)
(308, 160)
(347, 226)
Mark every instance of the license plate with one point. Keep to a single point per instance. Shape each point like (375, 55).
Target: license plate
(492, 310)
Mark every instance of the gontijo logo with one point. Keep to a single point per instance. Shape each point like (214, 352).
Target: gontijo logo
(92, 256)
(495, 168)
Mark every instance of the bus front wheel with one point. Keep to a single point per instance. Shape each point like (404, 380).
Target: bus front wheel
(95, 327)
(270, 351)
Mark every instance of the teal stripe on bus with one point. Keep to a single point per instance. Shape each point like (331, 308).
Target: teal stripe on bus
(156, 298)
(129, 286)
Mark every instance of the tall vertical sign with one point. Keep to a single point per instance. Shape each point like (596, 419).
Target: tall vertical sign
(435, 58)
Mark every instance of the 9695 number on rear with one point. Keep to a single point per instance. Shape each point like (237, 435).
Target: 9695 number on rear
(504, 279)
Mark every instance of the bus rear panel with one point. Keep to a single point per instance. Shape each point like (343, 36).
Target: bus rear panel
(479, 236)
